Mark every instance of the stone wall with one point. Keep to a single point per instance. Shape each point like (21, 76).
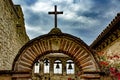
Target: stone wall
(12, 33)
(113, 48)
(112, 54)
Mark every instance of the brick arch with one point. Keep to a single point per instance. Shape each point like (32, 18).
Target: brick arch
(52, 43)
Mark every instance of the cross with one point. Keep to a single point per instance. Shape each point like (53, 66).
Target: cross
(55, 13)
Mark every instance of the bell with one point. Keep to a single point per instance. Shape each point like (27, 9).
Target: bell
(57, 66)
(46, 62)
(37, 63)
(70, 66)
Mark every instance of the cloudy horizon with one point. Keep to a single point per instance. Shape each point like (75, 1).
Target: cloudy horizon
(85, 19)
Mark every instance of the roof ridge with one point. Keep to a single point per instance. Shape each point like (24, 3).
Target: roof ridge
(107, 29)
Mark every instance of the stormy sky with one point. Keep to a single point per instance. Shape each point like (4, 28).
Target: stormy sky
(85, 19)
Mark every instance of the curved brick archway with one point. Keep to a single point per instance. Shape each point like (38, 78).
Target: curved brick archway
(52, 43)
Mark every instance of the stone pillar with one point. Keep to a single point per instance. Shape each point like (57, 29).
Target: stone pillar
(41, 69)
(64, 67)
(51, 67)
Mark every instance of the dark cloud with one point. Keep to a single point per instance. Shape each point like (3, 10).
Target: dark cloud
(76, 1)
(36, 19)
(30, 2)
(25, 2)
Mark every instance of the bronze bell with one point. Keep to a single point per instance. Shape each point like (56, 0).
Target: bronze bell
(37, 63)
(57, 66)
(46, 62)
(70, 66)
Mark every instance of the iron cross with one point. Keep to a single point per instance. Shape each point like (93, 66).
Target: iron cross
(55, 13)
